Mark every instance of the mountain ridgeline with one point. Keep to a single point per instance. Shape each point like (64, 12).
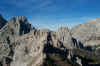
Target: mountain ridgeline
(21, 44)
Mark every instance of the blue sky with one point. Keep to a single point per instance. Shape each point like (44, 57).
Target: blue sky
(52, 13)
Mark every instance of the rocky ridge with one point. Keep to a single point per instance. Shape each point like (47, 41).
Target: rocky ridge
(23, 45)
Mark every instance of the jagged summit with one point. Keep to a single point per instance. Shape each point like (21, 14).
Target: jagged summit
(22, 18)
(19, 19)
(21, 24)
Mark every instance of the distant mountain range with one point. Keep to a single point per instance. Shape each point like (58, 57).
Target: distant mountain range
(21, 44)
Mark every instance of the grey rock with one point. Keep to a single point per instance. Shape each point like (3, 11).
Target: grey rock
(15, 28)
(79, 61)
(62, 38)
(20, 25)
(97, 51)
(87, 33)
(29, 49)
(23, 45)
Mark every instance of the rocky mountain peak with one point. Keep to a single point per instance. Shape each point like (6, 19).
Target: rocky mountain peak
(21, 24)
(18, 19)
(21, 18)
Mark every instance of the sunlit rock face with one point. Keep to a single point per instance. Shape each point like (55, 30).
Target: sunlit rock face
(62, 39)
(15, 27)
(87, 33)
(29, 49)
(64, 36)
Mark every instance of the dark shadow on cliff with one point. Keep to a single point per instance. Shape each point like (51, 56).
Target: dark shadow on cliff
(77, 43)
(48, 48)
(56, 56)
(8, 59)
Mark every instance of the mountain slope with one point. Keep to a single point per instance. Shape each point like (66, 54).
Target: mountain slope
(23, 45)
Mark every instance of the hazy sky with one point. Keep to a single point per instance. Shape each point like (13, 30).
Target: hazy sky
(51, 13)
